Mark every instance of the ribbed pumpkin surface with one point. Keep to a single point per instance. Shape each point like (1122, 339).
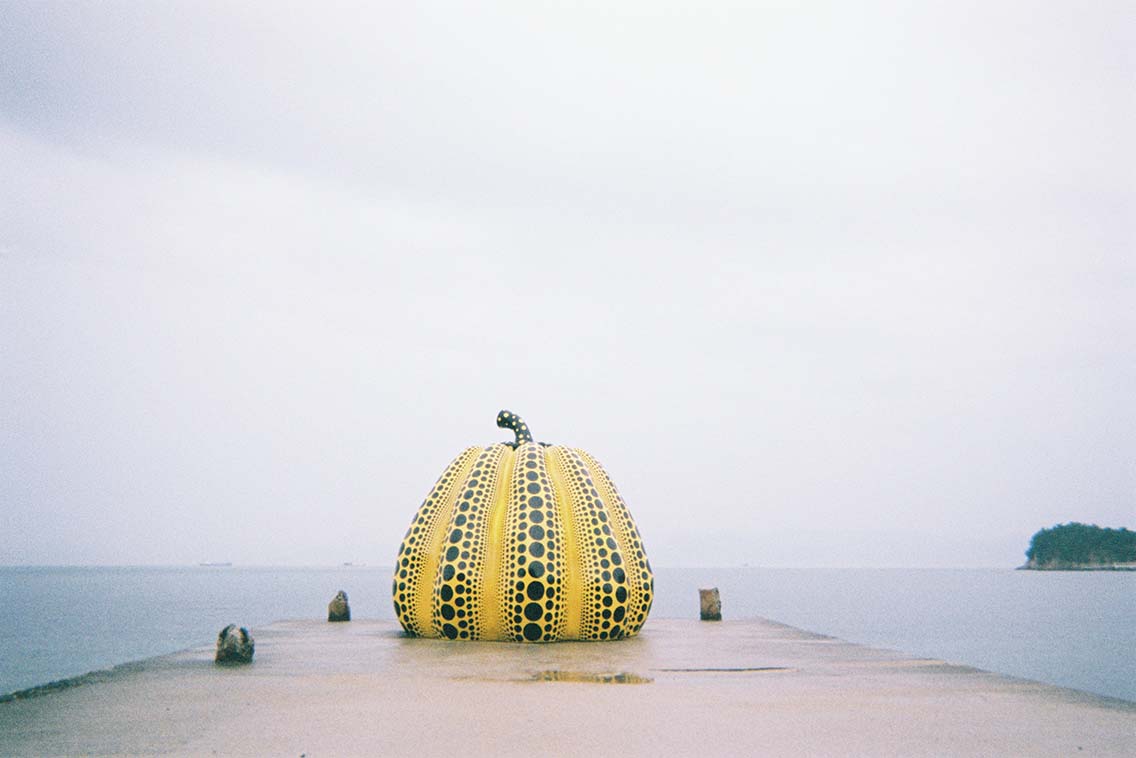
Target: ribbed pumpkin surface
(525, 542)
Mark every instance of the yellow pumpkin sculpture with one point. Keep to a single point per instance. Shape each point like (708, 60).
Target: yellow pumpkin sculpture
(523, 541)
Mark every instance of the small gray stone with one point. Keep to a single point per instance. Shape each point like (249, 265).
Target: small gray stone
(711, 604)
(337, 609)
(234, 645)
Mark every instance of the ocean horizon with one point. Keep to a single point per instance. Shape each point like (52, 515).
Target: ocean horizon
(1072, 629)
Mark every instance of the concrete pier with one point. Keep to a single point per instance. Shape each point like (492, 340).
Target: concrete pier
(682, 688)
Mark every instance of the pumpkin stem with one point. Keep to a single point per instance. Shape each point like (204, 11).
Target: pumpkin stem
(510, 420)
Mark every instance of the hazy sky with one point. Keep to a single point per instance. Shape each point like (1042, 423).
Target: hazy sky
(820, 284)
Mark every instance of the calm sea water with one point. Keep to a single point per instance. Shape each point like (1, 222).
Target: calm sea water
(1075, 629)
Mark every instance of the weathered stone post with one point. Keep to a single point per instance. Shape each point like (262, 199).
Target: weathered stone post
(337, 609)
(711, 604)
(234, 645)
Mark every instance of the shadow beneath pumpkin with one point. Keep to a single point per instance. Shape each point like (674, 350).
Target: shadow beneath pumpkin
(400, 634)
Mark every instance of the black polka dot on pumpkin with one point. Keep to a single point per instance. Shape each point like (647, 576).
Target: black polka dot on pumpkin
(535, 590)
(446, 593)
(452, 553)
(532, 632)
(536, 550)
(450, 631)
(536, 569)
(533, 611)
(448, 612)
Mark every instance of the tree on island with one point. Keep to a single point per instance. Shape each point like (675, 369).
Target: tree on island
(1076, 545)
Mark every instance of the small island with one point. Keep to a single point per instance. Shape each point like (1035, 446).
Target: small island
(1082, 547)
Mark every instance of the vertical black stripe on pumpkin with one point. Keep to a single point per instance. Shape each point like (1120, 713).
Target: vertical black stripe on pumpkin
(409, 580)
(457, 592)
(585, 583)
(589, 526)
(635, 569)
(572, 578)
(493, 624)
(531, 582)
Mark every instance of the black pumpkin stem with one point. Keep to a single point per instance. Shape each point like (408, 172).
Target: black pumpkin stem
(510, 420)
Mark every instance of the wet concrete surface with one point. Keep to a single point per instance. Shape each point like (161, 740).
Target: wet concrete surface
(679, 688)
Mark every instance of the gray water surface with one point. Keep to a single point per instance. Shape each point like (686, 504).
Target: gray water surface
(1071, 628)
(1075, 629)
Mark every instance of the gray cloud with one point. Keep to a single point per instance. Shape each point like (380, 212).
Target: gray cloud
(820, 286)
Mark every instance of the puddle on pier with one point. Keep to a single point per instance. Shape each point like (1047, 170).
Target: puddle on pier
(589, 677)
(743, 670)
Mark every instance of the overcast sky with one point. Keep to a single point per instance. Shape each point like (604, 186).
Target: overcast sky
(832, 285)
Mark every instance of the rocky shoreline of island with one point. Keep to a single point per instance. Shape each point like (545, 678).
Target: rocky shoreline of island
(1066, 566)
